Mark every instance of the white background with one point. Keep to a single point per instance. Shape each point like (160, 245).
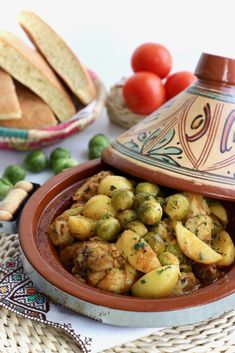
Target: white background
(104, 34)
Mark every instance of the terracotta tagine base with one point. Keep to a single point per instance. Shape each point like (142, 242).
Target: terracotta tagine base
(188, 143)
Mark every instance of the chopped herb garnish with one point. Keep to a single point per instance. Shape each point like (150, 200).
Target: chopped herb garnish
(159, 272)
(142, 281)
(138, 245)
(112, 187)
(201, 256)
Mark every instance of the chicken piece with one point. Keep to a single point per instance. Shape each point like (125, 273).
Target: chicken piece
(207, 273)
(59, 232)
(68, 254)
(197, 205)
(90, 187)
(102, 266)
(187, 283)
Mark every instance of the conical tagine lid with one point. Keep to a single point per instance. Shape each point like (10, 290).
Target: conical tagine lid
(189, 143)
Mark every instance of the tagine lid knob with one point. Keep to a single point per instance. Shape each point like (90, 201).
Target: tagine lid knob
(189, 142)
(216, 68)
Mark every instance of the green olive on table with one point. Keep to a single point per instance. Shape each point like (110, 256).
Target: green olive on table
(36, 161)
(150, 188)
(63, 163)
(5, 187)
(107, 228)
(14, 173)
(58, 153)
(122, 199)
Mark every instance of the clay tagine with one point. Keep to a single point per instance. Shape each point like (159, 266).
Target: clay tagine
(189, 143)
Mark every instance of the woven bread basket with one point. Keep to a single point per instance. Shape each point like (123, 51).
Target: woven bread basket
(117, 110)
(19, 139)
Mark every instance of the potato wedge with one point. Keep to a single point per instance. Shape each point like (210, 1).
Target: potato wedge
(219, 212)
(223, 244)
(195, 248)
(113, 182)
(81, 227)
(137, 251)
(157, 283)
(99, 206)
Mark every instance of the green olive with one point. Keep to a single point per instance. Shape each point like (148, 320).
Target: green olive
(150, 188)
(127, 216)
(150, 212)
(137, 227)
(167, 258)
(155, 241)
(141, 197)
(5, 187)
(122, 199)
(36, 161)
(173, 248)
(14, 173)
(107, 228)
(177, 206)
(58, 153)
(61, 164)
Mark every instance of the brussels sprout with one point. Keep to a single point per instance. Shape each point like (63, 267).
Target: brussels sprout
(126, 216)
(137, 227)
(107, 228)
(150, 212)
(14, 173)
(58, 153)
(96, 146)
(5, 186)
(122, 199)
(36, 161)
(150, 188)
(167, 258)
(95, 152)
(155, 241)
(161, 230)
(173, 248)
(60, 164)
(177, 206)
(141, 197)
(99, 140)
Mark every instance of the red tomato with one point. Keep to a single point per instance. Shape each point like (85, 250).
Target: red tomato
(153, 58)
(178, 82)
(144, 92)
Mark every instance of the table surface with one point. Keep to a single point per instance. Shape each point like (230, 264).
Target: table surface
(78, 144)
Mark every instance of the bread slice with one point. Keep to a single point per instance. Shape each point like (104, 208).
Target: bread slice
(35, 113)
(9, 104)
(59, 56)
(28, 67)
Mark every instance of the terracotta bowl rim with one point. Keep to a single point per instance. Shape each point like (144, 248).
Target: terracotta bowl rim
(65, 281)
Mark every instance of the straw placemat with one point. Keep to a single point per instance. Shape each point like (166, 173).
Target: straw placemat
(19, 335)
